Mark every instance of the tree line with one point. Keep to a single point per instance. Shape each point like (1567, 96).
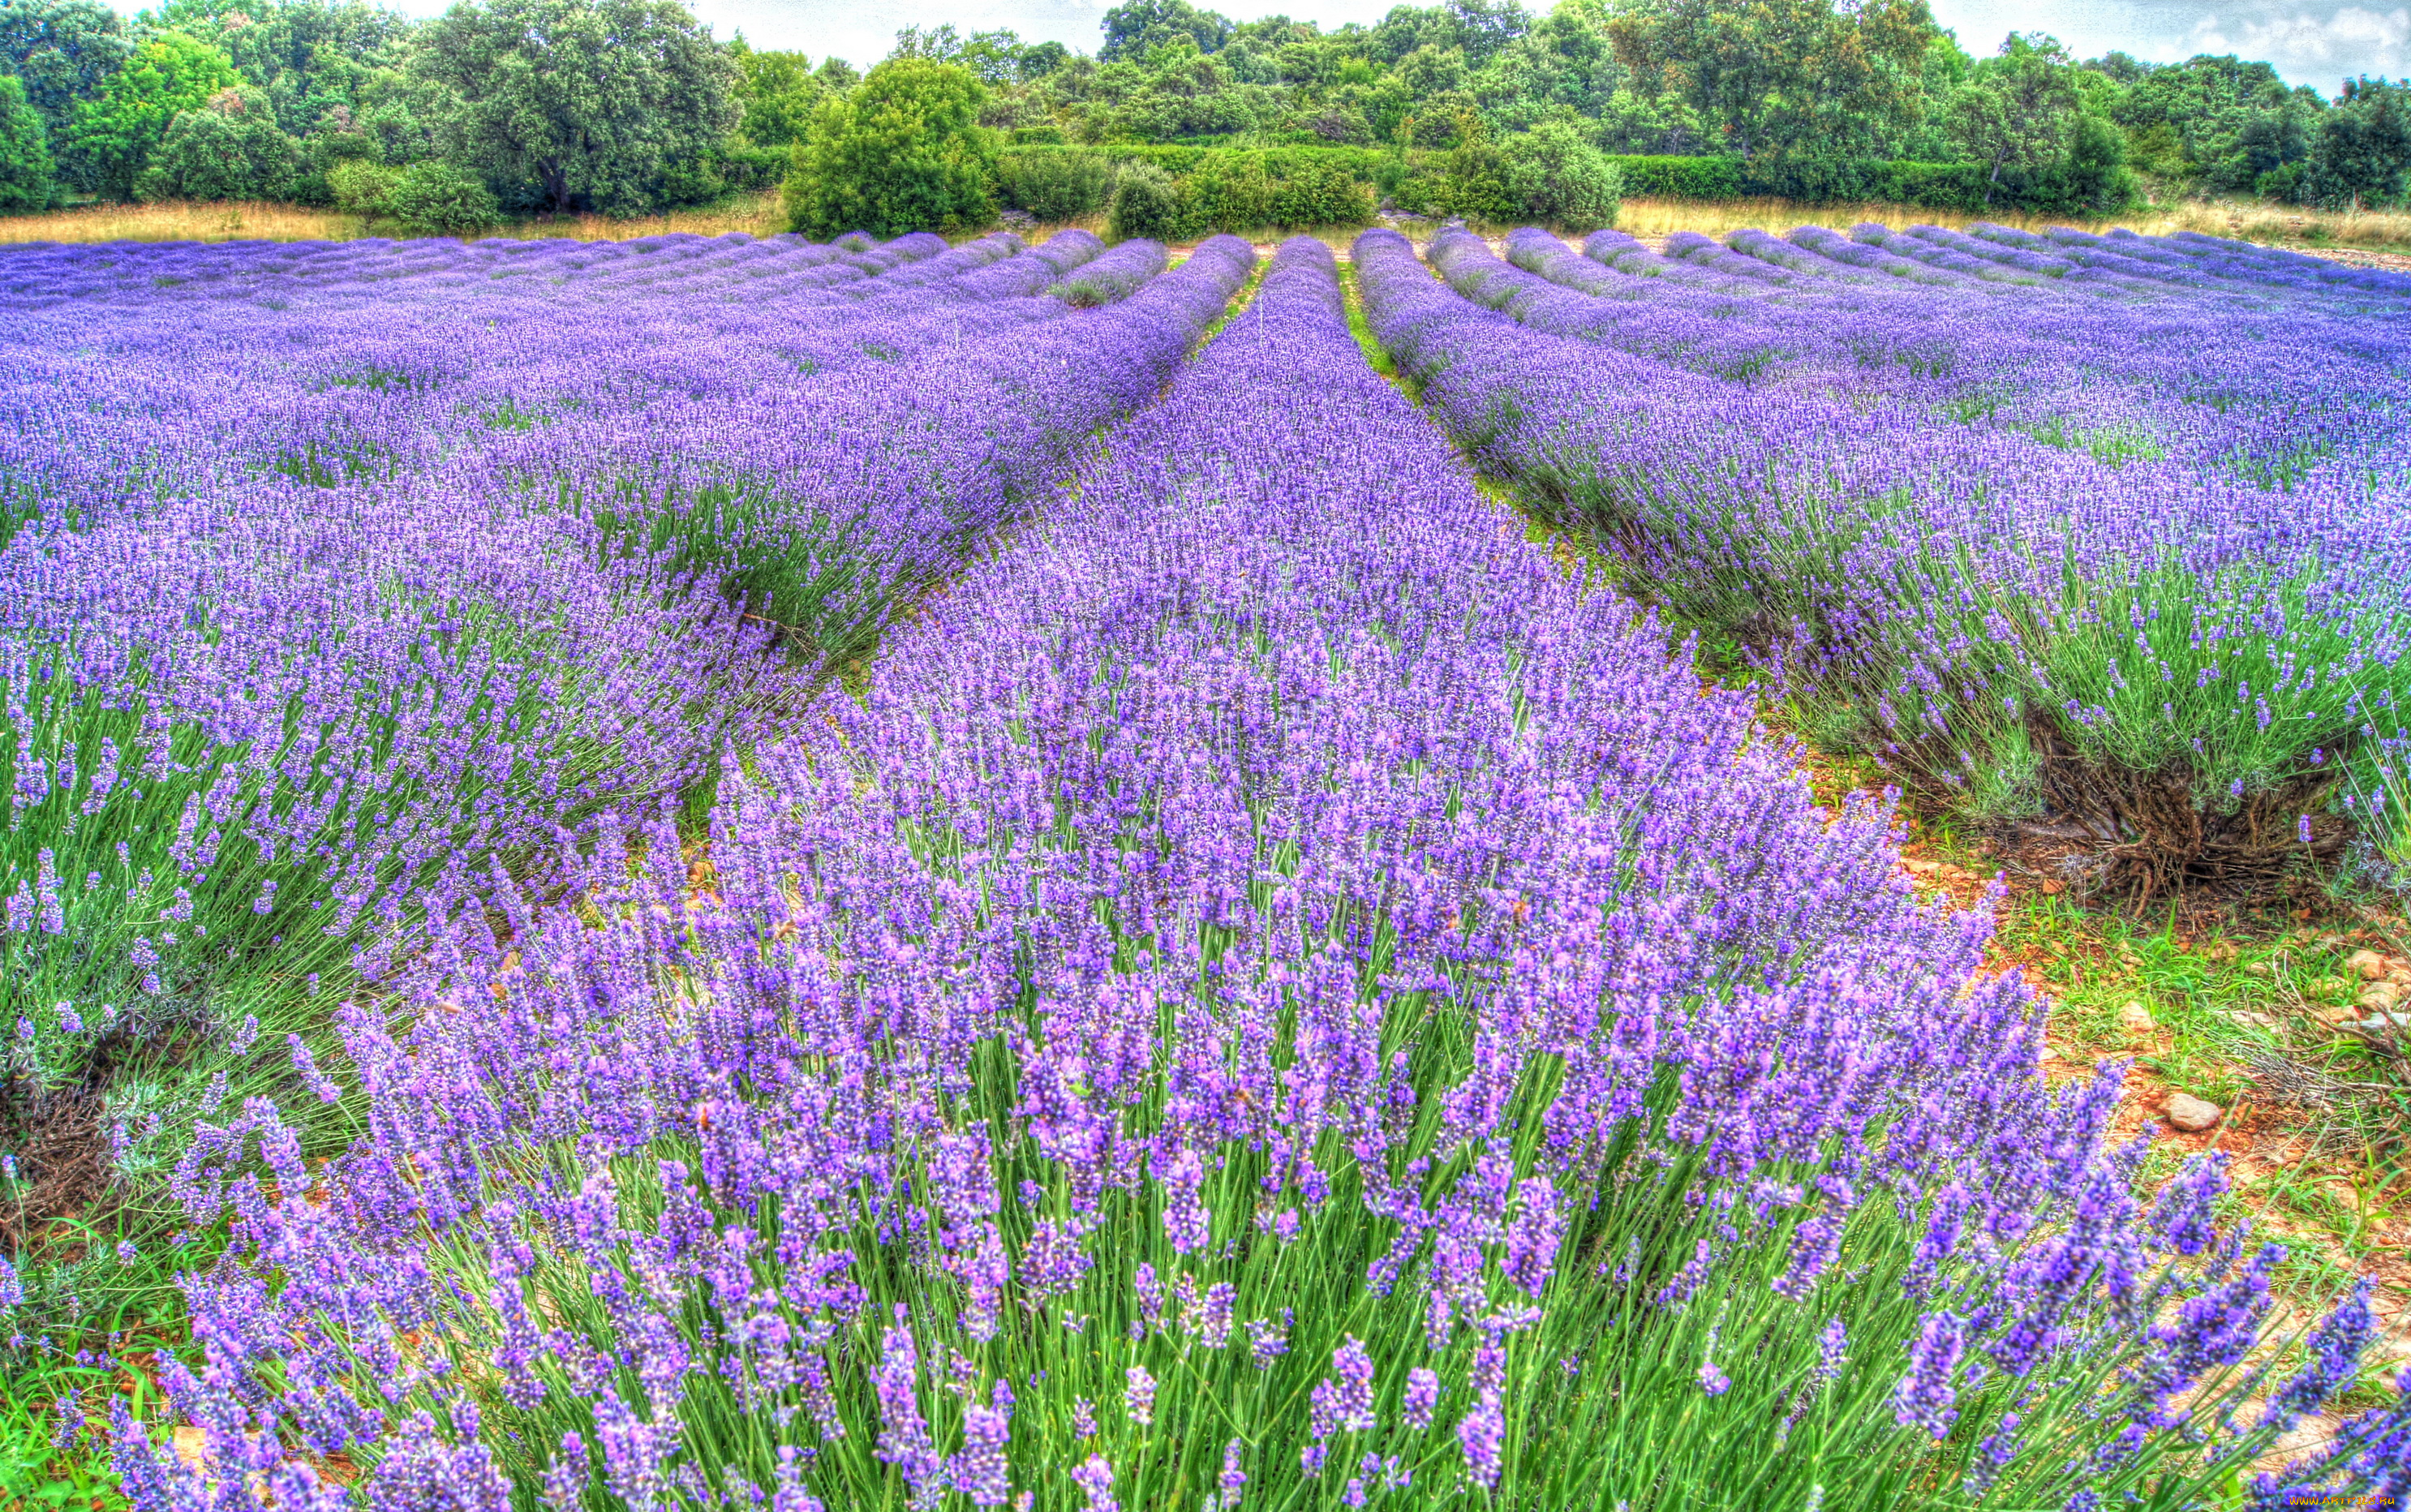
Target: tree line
(1183, 117)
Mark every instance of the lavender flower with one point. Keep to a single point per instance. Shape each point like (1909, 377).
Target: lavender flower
(1924, 1396)
(1096, 1478)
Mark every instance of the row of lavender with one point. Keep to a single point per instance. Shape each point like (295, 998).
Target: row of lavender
(2180, 653)
(266, 723)
(2272, 383)
(375, 373)
(1276, 996)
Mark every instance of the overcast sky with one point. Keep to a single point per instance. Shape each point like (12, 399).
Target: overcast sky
(2316, 42)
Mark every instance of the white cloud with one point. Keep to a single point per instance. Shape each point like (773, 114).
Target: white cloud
(2316, 49)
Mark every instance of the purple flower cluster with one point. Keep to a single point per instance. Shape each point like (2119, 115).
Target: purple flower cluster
(1260, 947)
(2035, 548)
(340, 582)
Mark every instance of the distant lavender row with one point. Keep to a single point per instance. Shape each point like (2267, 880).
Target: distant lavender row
(1276, 995)
(2019, 629)
(2299, 394)
(185, 393)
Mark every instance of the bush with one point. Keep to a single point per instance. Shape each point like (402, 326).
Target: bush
(729, 167)
(439, 199)
(1230, 192)
(231, 148)
(902, 152)
(1680, 178)
(363, 188)
(1555, 175)
(1324, 196)
(1055, 186)
(1147, 204)
(1476, 184)
(24, 151)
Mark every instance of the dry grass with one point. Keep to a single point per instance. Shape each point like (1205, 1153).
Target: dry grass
(2271, 225)
(183, 221)
(758, 215)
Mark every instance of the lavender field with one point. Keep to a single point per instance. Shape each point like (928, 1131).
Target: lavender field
(744, 873)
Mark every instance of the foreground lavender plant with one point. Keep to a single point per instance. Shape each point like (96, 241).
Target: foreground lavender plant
(1274, 996)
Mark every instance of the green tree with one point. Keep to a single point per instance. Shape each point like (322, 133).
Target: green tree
(231, 148)
(2363, 154)
(62, 51)
(902, 152)
(1782, 76)
(1478, 29)
(24, 151)
(1555, 174)
(115, 130)
(2018, 110)
(776, 92)
(996, 58)
(306, 56)
(1136, 27)
(578, 104)
(2217, 124)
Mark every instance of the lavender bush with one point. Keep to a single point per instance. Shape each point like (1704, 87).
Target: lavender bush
(349, 581)
(2175, 634)
(1275, 995)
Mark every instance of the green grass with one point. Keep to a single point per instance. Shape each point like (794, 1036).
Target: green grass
(2234, 1014)
(136, 1310)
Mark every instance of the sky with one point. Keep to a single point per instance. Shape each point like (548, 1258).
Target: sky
(2315, 42)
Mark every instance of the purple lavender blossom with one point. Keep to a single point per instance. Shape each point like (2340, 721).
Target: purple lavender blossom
(1096, 1478)
(1924, 1396)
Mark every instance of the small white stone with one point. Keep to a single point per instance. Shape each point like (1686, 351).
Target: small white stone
(2191, 1114)
(2136, 1019)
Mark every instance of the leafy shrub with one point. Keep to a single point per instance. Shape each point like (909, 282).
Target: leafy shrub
(902, 152)
(1055, 186)
(1324, 196)
(1230, 192)
(361, 187)
(1147, 204)
(231, 148)
(1476, 184)
(1555, 175)
(24, 151)
(439, 199)
(1680, 178)
(723, 169)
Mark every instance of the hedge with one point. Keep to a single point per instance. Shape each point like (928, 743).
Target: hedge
(1680, 178)
(1961, 186)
